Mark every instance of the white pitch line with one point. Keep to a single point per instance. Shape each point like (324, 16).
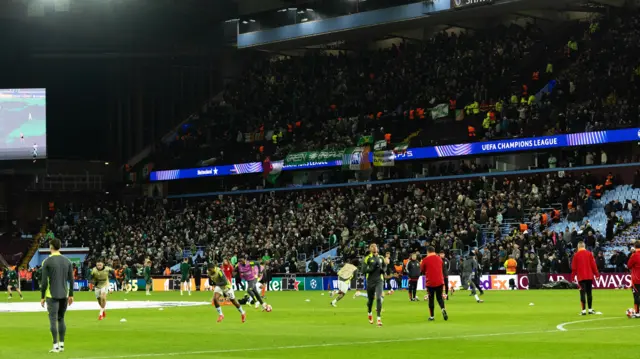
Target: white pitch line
(561, 327)
(324, 345)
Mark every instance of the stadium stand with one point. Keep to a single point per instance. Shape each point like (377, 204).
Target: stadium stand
(540, 214)
(374, 92)
(380, 92)
(290, 226)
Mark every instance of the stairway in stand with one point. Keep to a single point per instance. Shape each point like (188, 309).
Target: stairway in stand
(35, 245)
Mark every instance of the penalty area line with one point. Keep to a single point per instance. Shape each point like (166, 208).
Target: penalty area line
(325, 345)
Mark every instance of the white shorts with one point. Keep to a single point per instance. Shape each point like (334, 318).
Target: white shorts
(100, 291)
(226, 292)
(343, 286)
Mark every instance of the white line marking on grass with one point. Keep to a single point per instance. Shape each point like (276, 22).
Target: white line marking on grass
(561, 326)
(324, 345)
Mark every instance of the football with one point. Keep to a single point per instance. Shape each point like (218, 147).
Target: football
(268, 308)
(426, 297)
(630, 313)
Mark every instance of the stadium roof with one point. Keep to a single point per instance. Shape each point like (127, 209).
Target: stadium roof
(472, 18)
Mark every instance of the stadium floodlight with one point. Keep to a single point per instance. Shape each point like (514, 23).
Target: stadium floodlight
(301, 12)
(244, 22)
(282, 10)
(292, 9)
(252, 20)
(310, 10)
(304, 20)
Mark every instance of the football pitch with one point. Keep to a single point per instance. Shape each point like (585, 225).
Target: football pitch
(521, 324)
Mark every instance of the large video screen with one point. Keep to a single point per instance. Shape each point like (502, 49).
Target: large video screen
(23, 124)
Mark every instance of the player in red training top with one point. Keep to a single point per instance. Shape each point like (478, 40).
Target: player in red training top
(634, 267)
(431, 267)
(584, 267)
(227, 268)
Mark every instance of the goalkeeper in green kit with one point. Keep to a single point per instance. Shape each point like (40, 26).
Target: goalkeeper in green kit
(185, 272)
(146, 272)
(14, 283)
(126, 283)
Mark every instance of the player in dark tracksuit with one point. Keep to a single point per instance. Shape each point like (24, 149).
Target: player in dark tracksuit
(389, 272)
(446, 266)
(413, 272)
(374, 267)
(57, 292)
(471, 275)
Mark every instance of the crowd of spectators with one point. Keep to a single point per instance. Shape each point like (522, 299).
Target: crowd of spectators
(325, 100)
(291, 227)
(597, 90)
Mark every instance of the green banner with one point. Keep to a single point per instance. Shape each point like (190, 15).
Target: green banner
(365, 140)
(439, 111)
(296, 159)
(325, 155)
(380, 145)
(302, 158)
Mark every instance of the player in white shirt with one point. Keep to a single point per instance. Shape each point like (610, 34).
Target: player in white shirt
(344, 280)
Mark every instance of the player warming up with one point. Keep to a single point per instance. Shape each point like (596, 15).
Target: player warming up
(250, 274)
(470, 276)
(222, 289)
(56, 292)
(413, 272)
(634, 267)
(374, 267)
(584, 267)
(100, 279)
(146, 271)
(446, 266)
(344, 280)
(126, 284)
(13, 284)
(185, 280)
(431, 267)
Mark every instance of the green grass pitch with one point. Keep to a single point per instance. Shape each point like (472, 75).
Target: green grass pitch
(303, 325)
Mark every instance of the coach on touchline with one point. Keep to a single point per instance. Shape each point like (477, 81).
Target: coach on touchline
(57, 292)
